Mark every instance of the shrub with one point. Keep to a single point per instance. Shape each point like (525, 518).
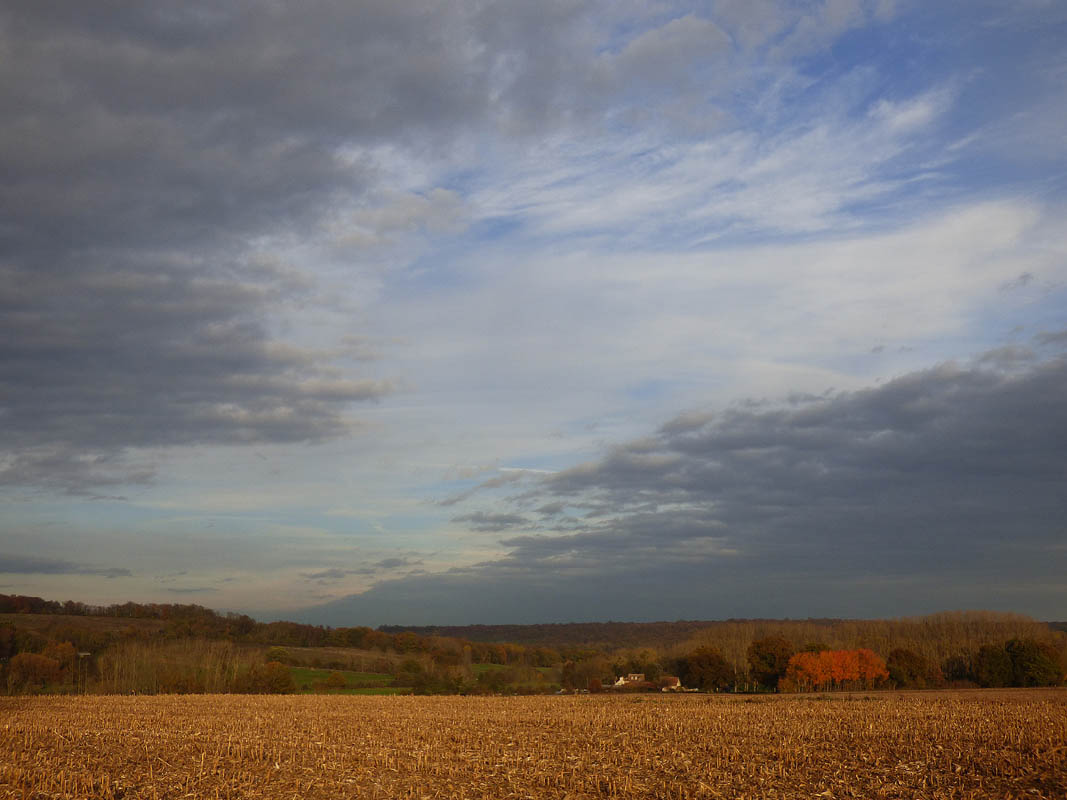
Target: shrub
(32, 671)
(279, 654)
(270, 678)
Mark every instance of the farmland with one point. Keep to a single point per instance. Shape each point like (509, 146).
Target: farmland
(1002, 744)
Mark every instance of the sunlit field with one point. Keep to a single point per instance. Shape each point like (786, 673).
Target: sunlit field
(1001, 744)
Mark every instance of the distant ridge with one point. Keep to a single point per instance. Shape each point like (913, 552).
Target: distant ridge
(584, 634)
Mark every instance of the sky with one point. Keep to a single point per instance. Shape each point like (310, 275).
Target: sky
(373, 312)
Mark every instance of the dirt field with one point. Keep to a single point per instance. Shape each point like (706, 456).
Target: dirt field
(921, 745)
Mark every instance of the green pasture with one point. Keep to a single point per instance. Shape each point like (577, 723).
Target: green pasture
(305, 679)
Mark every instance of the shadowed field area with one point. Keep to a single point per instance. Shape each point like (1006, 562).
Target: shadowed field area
(1002, 744)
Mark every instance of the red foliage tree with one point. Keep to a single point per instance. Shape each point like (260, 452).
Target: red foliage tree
(872, 669)
(833, 669)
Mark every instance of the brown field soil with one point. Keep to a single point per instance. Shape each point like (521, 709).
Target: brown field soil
(1010, 744)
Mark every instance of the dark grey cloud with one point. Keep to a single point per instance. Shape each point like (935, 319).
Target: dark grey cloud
(551, 509)
(335, 573)
(396, 563)
(1007, 357)
(142, 150)
(942, 488)
(32, 565)
(332, 574)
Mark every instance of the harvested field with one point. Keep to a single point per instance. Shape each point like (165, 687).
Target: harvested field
(922, 745)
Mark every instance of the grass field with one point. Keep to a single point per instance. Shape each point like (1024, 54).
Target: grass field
(479, 669)
(306, 679)
(994, 744)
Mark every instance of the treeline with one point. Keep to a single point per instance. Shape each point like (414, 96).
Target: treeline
(189, 667)
(173, 667)
(192, 648)
(566, 636)
(195, 649)
(190, 621)
(935, 637)
(775, 664)
(950, 649)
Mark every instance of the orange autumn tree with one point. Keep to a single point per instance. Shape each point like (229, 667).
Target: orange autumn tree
(872, 668)
(833, 669)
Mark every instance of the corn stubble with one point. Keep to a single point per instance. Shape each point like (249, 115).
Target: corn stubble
(937, 745)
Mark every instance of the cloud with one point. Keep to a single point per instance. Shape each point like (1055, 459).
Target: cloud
(192, 590)
(33, 565)
(486, 233)
(384, 565)
(395, 563)
(332, 574)
(938, 486)
(826, 22)
(168, 169)
(1021, 282)
(551, 509)
(676, 54)
(507, 477)
(440, 210)
(482, 521)
(182, 183)
(154, 160)
(1058, 338)
(915, 113)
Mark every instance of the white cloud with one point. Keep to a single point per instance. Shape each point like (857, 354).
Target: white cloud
(915, 113)
(398, 214)
(802, 178)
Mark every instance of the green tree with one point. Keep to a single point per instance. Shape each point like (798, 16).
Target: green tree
(568, 675)
(959, 668)
(588, 670)
(768, 659)
(992, 666)
(706, 669)
(7, 640)
(1032, 664)
(907, 669)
